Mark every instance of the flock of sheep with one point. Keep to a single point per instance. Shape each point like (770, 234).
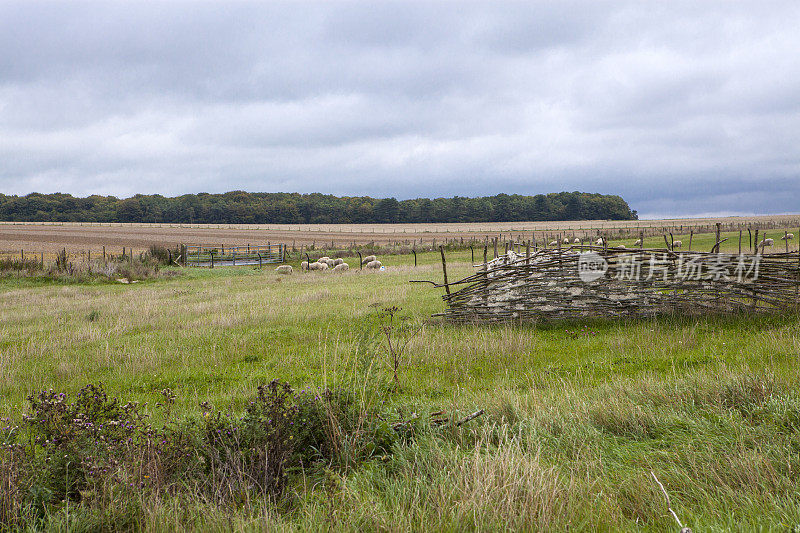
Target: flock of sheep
(371, 262)
(336, 265)
(770, 242)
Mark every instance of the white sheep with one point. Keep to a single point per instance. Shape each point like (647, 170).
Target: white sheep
(284, 269)
(368, 259)
(621, 247)
(576, 241)
(788, 237)
(374, 264)
(323, 259)
(599, 242)
(318, 266)
(553, 243)
(341, 267)
(565, 241)
(638, 242)
(328, 261)
(766, 242)
(304, 265)
(677, 244)
(338, 261)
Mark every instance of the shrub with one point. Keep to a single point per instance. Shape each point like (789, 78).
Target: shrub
(99, 453)
(19, 265)
(334, 429)
(251, 453)
(163, 255)
(77, 446)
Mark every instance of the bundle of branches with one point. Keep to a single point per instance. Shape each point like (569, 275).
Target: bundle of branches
(592, 281)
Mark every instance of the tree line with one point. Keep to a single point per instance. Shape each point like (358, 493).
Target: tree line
(240, 207)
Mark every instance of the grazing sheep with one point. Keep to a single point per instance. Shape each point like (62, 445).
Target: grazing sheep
(338, 261)
(510, 257)
(638, 242)
(553, 243)
(284, 269)
(341, 267)
(566, 240)
(677, 244)
(374, 264)
(323, 259)
(368, 259)
(766, 242)
(328, 261)
(788, 237)
(318, 266)
(621, 247)
(599, 242)
(304, 265)
(576, 241)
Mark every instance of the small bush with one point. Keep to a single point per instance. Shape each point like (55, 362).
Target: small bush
(19, 265)
(99, 453)
(333, 428)
(65, 270)
(163, 255)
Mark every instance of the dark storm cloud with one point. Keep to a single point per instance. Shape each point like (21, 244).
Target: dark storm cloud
(682, 108)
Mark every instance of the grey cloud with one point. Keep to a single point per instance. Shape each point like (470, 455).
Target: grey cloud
(682, 107)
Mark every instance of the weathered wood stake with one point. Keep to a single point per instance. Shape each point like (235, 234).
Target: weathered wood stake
(444, 270)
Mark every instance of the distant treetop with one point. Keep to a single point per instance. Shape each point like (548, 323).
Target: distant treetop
(239, 207)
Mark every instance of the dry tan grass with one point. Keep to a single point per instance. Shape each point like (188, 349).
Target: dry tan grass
(50, 237)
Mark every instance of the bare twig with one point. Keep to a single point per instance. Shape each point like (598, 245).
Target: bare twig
(466, 419)
(669, 505)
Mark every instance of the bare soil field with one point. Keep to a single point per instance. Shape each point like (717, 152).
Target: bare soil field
(50, 237)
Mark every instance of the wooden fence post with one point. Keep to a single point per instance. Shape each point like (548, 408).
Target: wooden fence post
(486, 274)
(755, 242)
(444, 270)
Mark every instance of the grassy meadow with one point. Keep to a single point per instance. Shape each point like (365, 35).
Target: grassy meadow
(577, 415)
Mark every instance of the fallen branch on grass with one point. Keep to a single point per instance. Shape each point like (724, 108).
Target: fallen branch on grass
(466, 419)
(669, 505)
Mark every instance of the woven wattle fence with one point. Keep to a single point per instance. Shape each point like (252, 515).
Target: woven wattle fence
(574, 283)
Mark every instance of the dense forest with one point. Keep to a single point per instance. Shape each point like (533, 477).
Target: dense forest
(239, 207)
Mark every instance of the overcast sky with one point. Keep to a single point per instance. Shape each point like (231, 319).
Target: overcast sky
(682, 108)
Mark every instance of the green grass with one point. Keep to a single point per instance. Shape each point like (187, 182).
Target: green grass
(577, 414)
